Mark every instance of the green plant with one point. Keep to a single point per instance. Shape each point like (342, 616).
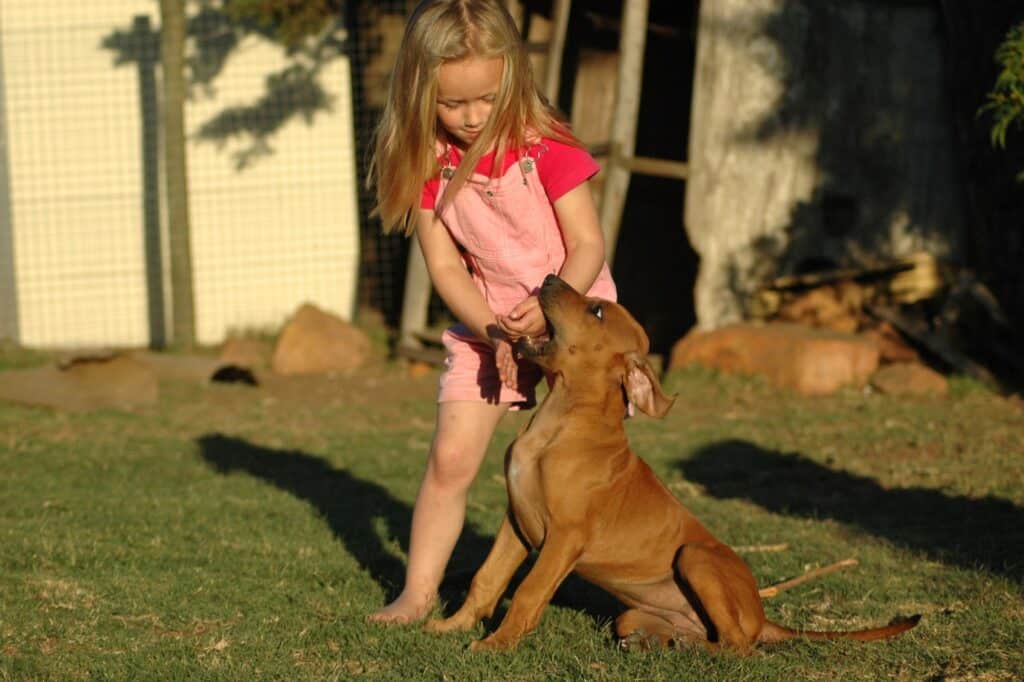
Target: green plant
(1006, 99)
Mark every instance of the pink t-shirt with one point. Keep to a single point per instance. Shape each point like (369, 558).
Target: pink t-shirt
(560, 167)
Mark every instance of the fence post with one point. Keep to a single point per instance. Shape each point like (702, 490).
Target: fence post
(8, 283)
(172, 58)
(149, 54)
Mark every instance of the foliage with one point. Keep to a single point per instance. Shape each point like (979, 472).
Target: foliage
(1006, 100)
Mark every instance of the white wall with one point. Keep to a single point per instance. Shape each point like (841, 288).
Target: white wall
(265, 239)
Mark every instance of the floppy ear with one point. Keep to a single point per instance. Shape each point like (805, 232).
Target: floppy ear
(643, 389)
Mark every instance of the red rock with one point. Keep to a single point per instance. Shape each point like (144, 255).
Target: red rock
(891, 345)
(317, 342)
(245, 351)
(909, 378)
(809, 360)
(83, 383)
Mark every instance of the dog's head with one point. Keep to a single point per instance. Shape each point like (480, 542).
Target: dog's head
(595, 345)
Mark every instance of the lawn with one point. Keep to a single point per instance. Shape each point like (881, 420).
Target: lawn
(232, 532)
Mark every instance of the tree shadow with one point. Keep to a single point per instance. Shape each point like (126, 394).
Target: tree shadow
(354, 508)
(215, 33)
(984, 533)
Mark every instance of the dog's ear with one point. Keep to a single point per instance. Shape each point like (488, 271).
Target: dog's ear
(643, 389)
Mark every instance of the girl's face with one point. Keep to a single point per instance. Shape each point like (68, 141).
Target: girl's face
(466, 90)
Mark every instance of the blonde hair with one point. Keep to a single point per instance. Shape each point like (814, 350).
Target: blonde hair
(405, 144)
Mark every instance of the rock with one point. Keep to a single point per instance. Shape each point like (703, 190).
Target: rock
(83, 383)
(809, 360)
(178, 367)
(909, 378)
(891, 345)
(419, 369)
(246, 351)
(317, 342)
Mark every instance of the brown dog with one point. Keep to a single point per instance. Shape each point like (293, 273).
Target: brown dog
(579, 495)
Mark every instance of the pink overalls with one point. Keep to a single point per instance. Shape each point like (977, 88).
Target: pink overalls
(511, 240)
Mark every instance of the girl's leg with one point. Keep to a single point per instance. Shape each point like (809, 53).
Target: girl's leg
(464, 430)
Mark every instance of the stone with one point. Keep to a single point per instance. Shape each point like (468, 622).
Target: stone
(246, 351)
(109, 380)
(891, 345)
(909, 378)
(317, 342)
(806, 359)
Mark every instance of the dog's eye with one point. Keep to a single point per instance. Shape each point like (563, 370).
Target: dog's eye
(597, 310)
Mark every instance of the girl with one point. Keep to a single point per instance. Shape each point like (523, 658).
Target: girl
(472, 159)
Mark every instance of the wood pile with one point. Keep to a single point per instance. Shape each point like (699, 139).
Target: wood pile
(913, 308)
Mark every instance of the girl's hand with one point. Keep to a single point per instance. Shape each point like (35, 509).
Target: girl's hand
(504, 358)
(526, 319)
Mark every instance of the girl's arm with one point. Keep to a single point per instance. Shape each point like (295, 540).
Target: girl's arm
(584, 246)
(453, 283)
(584, 240)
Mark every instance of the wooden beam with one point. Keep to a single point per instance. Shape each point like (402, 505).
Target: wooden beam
(660, 168)
(632, 42)
(556, 46)
(415, 299)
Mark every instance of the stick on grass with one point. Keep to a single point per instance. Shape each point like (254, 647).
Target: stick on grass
(775, 589)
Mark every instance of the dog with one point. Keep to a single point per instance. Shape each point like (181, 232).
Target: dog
(579, 495)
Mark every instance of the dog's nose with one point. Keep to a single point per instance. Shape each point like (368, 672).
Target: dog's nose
(551, 280)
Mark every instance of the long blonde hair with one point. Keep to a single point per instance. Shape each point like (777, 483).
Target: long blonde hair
(405, 144)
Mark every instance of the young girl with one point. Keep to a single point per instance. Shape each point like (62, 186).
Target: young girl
(472, 159)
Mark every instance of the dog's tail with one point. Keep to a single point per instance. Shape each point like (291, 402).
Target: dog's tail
(773, 632)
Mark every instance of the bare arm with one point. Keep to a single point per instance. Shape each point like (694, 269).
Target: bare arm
(453, 283)
(584, 240)
(584, 246)
(450, 277)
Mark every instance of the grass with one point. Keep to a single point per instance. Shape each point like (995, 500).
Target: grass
(235, 533)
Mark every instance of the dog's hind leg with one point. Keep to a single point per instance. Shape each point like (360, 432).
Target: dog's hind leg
(721, 588)
(489, 583)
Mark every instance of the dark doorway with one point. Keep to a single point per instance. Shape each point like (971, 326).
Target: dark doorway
(655, 267)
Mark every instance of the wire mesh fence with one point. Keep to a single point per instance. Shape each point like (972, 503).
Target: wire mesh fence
(277, 144)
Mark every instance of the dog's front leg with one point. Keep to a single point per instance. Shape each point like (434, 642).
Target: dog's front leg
(557, 558)
(489, 583)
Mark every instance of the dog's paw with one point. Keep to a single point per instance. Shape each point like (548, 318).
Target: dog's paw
(639, 640)
(493, 643)
(456, 623)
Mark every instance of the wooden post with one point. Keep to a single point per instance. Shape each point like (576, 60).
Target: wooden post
(623, 130)
(556, 46)
(8, 281)
(172, 55)
(415, 298)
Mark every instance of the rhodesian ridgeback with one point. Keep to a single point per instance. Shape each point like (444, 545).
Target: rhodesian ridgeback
(579, 495)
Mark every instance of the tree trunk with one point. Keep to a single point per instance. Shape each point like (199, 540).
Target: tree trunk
(172, 52)
(821, 135)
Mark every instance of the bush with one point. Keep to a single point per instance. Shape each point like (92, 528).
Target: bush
(1006, 100)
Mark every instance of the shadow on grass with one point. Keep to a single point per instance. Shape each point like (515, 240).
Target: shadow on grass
(352, 507)
(984, 532)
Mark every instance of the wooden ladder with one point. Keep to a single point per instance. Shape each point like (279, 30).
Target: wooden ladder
(621, 160)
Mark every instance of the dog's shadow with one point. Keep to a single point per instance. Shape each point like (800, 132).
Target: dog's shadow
(984, 532)
(352, 507)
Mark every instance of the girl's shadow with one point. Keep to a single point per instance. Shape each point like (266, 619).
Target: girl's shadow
(351, 506)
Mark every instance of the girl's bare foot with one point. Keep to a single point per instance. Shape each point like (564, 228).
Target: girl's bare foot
(404, 610)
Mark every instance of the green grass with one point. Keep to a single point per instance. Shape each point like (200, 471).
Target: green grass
(238, 533)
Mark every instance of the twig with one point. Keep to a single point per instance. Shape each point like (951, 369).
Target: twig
(773, 590)
(749, 549)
